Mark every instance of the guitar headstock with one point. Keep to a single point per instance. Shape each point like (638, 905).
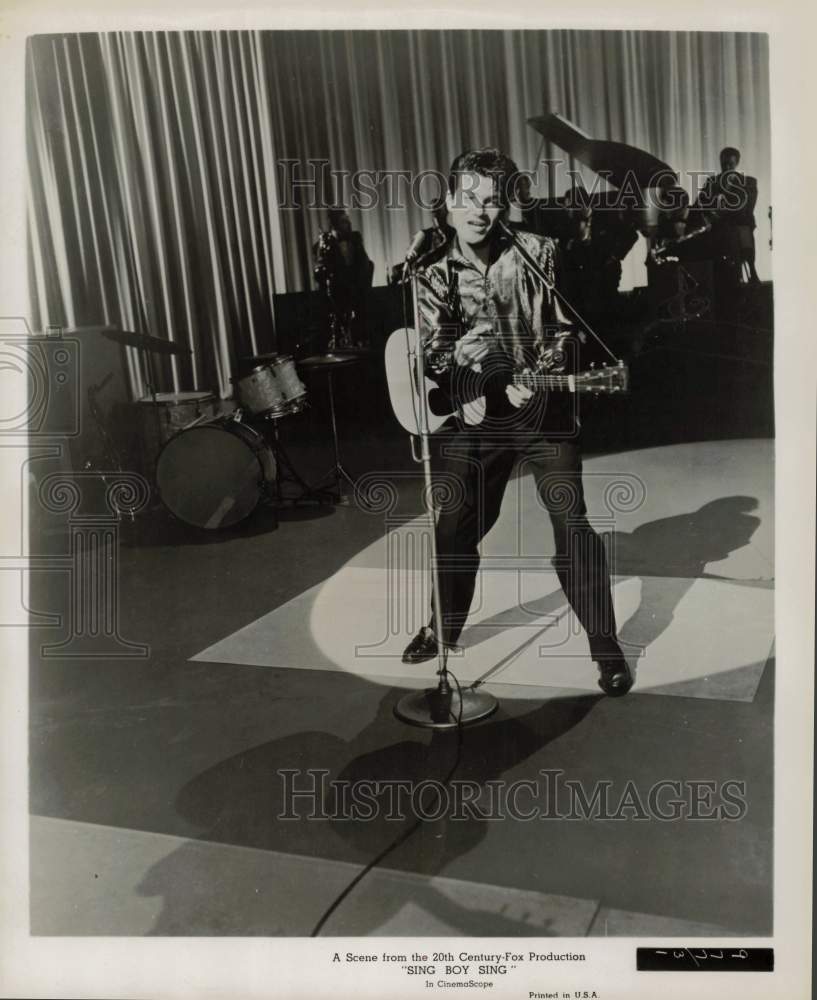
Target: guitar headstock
(604, 379)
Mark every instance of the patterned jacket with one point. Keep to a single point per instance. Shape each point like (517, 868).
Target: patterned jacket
(454, 295)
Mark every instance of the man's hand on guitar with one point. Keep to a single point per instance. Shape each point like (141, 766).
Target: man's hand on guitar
(471, 349)
(518, 395)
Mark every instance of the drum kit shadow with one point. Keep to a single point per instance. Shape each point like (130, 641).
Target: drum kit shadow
(213, 468)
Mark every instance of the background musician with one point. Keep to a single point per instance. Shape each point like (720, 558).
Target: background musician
(728, 199)
(343, 271)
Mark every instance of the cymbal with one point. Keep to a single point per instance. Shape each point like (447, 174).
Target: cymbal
(329, 360)
(156, 345)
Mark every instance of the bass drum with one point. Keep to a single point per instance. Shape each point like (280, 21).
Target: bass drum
(213, 475)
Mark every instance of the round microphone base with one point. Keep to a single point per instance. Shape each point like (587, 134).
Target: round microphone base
(436, 709)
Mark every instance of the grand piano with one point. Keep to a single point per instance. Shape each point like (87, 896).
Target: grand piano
(634, 180)
(640, 193)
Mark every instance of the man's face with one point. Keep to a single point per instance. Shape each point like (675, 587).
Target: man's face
(729, 162)
(343, 224)
(474, 208)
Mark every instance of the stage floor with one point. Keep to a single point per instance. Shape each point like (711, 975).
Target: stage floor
(689, 532)
(158, 790)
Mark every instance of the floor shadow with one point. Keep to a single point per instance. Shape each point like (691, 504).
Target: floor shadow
(160, 529)
(683, 545)
(243, 800)
(673, 550)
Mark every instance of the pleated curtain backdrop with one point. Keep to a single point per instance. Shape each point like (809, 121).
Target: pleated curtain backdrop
(161, 165)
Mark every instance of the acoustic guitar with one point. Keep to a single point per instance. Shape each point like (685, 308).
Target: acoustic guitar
(469, 405)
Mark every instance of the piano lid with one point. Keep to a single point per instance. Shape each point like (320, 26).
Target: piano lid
(617, 162)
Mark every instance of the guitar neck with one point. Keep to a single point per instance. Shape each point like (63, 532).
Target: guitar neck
(540, 381)
(595, 380)
(606, 379)
(533, 380)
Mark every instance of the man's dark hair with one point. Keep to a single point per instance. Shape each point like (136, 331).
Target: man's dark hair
(487, 162)
(730, 151)
(335, 215)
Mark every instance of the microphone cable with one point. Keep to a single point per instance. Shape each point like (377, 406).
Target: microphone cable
(402, 837)
(406, 834)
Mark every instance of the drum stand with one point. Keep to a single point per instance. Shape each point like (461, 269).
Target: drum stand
(337, 472)
(283, 461)
(337, 475)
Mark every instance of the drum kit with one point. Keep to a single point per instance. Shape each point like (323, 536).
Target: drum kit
(271, 389)
(214, 464)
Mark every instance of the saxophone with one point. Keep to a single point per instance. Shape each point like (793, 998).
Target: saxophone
(339, 331)
(323, 252)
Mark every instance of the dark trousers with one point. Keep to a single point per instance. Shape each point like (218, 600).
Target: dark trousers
(475, 472)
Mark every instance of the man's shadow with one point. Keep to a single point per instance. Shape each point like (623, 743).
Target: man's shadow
(242, 801)
(668, 555)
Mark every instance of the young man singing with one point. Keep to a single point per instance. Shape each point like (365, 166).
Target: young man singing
(483, 310)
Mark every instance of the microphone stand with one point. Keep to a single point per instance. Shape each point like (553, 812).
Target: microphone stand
(535, 269)
(439, 707)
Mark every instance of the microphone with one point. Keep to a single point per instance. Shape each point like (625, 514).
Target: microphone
(413, 259)
(412, 255)
(415, 246)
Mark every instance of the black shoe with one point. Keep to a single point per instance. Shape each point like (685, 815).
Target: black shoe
(616, 677)
(422, 647)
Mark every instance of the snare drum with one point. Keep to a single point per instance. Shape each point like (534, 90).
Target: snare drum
(272, 388)
(212, 475)
(173, 411)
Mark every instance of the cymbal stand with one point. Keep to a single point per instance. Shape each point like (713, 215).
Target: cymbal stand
(148, 373)
(337, 473)
(283, 461)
